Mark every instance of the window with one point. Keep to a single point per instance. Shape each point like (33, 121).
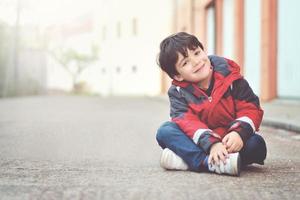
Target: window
(134, 26)
(119, 29)
(134, 69)
(118, 70)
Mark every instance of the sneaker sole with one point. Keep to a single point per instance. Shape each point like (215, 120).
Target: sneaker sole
(239, 165)
(166, 157)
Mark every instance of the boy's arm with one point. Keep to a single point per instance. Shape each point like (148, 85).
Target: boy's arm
(189, 122)
(248, 111)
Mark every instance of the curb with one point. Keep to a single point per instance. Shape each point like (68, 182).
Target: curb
(281, 125)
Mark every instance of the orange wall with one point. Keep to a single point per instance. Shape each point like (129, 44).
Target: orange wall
(191, 17)
(269, 50)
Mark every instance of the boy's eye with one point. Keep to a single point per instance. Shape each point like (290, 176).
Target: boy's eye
(184, 64)
(197, 53)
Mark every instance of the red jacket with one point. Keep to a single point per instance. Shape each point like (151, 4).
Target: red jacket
(232, 105)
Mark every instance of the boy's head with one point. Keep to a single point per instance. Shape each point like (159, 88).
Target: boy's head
(173, 45)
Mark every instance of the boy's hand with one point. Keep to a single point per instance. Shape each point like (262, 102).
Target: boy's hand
(233, 142)
(218, 153)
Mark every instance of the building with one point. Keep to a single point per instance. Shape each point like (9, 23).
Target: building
(262, 36)
(129, 34)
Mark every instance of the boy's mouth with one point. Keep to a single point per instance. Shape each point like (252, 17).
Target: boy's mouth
(197, 70)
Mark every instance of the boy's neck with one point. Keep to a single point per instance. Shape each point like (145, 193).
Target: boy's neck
(204, 85)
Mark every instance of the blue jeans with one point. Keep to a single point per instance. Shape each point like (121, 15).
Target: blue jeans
(169, 135)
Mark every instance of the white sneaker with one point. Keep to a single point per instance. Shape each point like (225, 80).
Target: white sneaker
(169, 160)
(232, 166)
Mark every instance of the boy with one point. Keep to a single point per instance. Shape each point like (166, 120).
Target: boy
(214, 111)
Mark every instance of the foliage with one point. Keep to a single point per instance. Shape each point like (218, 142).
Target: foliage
(4, 50)
(75, 62)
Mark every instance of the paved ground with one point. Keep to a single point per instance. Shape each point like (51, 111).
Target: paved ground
(283, 113)
(94, 148)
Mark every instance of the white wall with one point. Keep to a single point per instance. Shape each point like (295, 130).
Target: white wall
(288, 48)
(128, 50)
(134, 55)
(211, 31)
(228, 29)
(57, 77)
(252, 44)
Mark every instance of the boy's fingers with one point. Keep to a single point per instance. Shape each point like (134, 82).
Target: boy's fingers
(231, 149)
(229, 143)
(225, 153)
(209, 159)
(225, 139)
(216, 159)
(240, 147)
(235, 148)
(222, 157)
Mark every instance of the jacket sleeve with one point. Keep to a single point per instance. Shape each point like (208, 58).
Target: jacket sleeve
(189, 122)
(248, 111)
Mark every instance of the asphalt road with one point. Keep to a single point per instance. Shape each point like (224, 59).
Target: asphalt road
(68, 147)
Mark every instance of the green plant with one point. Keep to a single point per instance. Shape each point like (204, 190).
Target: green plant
(75, 62)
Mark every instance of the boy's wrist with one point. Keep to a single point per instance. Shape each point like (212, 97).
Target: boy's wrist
(243, 129)
(215, 145)
(208, 139)
(235, 133)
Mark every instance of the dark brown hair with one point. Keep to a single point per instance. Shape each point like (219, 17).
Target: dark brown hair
(171, 46)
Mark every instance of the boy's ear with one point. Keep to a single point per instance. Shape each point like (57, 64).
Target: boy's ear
(178, 77)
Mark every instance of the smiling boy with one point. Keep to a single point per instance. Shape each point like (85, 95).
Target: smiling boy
(214, 112)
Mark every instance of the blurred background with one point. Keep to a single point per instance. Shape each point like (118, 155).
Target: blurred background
(109, 47)
(82, 97)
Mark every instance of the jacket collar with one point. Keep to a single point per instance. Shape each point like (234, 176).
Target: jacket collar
(225, 71)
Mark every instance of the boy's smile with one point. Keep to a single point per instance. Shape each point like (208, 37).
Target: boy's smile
(195, 68)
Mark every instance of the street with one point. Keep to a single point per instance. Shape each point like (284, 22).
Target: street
(77, 147)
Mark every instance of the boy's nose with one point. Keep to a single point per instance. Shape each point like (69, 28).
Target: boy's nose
(195, 62)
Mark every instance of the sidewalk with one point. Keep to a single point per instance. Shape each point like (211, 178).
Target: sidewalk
(283, 114)
(279, 113)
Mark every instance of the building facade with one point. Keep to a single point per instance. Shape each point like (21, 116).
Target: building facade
(260, 35)
(129, 34)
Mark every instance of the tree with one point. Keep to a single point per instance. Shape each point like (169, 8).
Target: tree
(75, 63)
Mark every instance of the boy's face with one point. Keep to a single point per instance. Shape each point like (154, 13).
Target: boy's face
(194, 68)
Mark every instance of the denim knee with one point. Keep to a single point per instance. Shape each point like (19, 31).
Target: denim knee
(255, 150)
(258, 142)
(164, 131)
